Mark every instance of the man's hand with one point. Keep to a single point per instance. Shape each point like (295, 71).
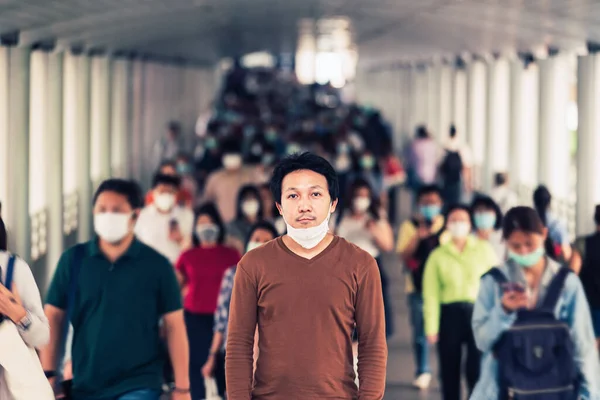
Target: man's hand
(208, 367)
(423, 231)
(514, 300)
(181, 396)
(175, 234)
(432, 339)
(10, 304)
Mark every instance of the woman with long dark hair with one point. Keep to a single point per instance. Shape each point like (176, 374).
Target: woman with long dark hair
(487, 220)
(249, 210)
(200, 271)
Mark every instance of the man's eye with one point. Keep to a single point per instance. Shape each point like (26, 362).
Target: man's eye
(292, 196)
(316, 194)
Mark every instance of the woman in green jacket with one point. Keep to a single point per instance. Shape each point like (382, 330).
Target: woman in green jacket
(450, 287)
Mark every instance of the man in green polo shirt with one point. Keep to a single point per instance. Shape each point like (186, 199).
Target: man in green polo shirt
(123, 289)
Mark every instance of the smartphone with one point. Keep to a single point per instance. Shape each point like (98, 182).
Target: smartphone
(173, 224)
(513, 287)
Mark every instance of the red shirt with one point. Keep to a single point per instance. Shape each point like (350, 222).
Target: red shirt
(203, 270)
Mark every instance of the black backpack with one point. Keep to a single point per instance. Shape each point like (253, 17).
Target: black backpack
(536, 356)
(451, 167)
(422, 252)
(590, 270)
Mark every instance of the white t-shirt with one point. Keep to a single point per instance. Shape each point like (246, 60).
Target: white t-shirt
(355, 231)
(153, 227)
(505, 198)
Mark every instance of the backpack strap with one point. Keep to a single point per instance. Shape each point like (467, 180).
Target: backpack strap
(10, 271)
(555, 288)
(498, 275)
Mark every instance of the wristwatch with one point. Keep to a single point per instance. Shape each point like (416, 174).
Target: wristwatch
(25, 322)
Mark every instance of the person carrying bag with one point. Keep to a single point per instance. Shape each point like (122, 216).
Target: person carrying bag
(22, 370)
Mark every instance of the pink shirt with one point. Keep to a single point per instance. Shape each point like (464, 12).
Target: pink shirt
(425, 157)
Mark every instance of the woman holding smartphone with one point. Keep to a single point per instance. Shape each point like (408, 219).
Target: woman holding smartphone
(529, 272)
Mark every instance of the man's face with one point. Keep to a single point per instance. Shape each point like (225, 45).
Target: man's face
(430, 199)
(114, 203)
(165, 189)
(305, 199)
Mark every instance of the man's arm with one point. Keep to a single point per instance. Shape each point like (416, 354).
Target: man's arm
(177, 343)
(370, 324)
(240, 338)
(49, 353)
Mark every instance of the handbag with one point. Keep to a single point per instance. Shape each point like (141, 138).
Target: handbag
(23, 373)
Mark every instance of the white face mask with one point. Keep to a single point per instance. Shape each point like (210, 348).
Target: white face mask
(250, 208)
(112, 227)
(361, 204)
(253, 245)
(164, 201)
(459, 230)
(309, 237)
(232, 161)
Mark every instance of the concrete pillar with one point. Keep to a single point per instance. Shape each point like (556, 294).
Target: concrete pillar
(459, 103)
(54, 164)
(588, 142)
(4, 143)
(17, 213)
(137, 123)
(100, 119)
(119, 119)
(84, 182)
(517, 132)
(554, 142)
(498, 120)
(445, 98)
(476, 117)
(433, 104)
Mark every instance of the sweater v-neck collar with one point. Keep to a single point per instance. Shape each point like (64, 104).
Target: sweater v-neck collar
(316, 258)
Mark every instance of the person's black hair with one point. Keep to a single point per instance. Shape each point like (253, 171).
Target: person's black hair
(488, 203)
(359, 183)
(597, 215)
(500, 178)
(541, 201)
(428, 189)
(266, 225)
(231, 146)
(167, 163)
(274, 209)
(174, 127)
(3, 236)
(421, 132)
(304, 161)
(162, 179)
(524, 219)
(452, 131)
(244, 192)
(457, 207)
(212, 211)
(128, 188)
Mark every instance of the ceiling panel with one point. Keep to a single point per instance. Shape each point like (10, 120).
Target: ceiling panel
(383, 29)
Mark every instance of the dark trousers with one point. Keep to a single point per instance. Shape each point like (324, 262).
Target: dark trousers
(452, 193)
(455, 333)
(387, 302)
(200, 332)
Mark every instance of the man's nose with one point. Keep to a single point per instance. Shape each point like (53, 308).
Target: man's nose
(304, 206)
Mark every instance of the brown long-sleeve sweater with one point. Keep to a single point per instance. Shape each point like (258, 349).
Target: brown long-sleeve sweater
(306, 310)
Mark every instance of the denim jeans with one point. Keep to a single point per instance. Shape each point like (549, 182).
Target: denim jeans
(143, 394)
(420, 345)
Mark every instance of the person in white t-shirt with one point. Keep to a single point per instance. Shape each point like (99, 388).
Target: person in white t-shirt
(164, 225)
(455, 169)
(503, 194)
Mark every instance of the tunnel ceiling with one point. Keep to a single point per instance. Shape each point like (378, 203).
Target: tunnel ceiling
(205, 30)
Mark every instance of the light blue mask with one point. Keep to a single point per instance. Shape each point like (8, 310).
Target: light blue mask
(430, 212)
(527, 260)
(485, 220)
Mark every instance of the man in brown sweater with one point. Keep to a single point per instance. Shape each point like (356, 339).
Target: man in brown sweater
(306, 290)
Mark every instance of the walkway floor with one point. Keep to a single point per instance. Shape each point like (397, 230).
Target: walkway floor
(400, 372)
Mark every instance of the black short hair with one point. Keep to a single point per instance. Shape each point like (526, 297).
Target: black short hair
(162, 179)
(127, 188)
(231, 146)
(428, 189)
(541, 201)
(212, 211)
(266, 225)
(489, 203)
(309, 161)
(500, 178)
(452, 130)
(524, 219)
(243, 192)
(3, 236)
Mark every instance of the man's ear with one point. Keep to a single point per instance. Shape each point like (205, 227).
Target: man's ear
(279, 208)
(333, 206)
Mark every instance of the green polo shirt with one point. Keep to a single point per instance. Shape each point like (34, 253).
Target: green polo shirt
(452, 276)
(116, 345)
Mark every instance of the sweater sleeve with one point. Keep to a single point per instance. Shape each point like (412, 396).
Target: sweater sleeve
(38, 333)
(240, 338)
(431, 295)
(370, 324)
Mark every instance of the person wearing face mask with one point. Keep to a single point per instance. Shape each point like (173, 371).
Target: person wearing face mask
(366, 166)
(259, 234)
(306, 291)
(123, 288)
(200, 271)
(249, 211)
(185, 170)
(487, 220)
(450, 285)
(528, 273)
(222, 186)
(184, 197)
(164, 225)
(417, 238)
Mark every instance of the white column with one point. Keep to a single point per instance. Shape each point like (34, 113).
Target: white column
(459, 103)
(445, 99)
(119, 119)
(516, 157)
(588, 146)
(84, 182)
(4, 136)
(433, 94)
(54, 163)
(554, 143)
(137, 123)
(17, 211)
(497, 120)
(100, 97)
(476, 117)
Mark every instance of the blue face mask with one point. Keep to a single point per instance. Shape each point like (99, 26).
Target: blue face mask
(430, 212)
(485, 220)
(527, 260)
